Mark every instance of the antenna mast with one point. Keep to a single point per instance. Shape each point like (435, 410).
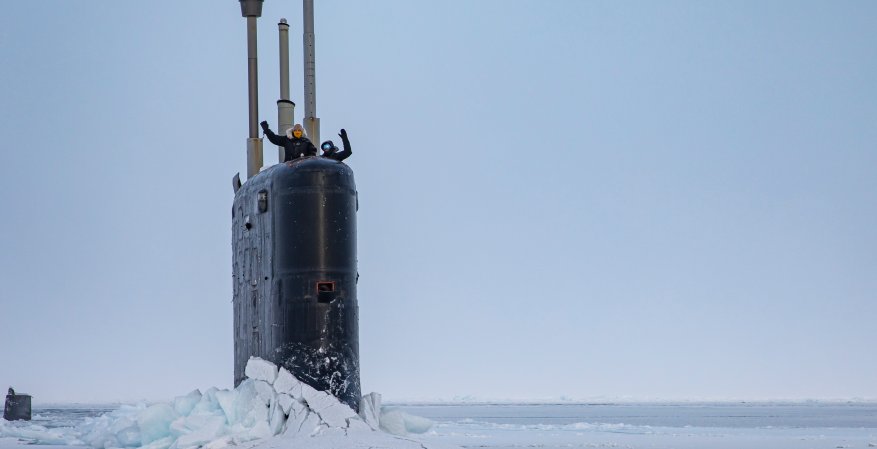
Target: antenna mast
(285, 106)
(252, 10)
(311, 123)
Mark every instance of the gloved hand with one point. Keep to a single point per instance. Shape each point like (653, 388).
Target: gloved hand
(342, 134)
(264, 125)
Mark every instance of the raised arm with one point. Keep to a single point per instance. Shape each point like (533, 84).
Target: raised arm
(347, 150)
(273, 138)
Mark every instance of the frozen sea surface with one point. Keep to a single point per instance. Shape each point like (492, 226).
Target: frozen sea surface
(733, 415)
(706, 425)
(653, 426)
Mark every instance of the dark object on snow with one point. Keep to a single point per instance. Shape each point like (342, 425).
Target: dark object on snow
(294, 274)
(17, 406)
(332, 152)
(293, 147)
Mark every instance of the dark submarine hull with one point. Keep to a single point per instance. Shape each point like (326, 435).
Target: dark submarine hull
(17, 407)
(295, 272)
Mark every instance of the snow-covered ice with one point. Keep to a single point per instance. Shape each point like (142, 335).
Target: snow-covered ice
(267, 408)
(183, 405)
(258, 369)
(505, 426)
(370, 409)
(287, 383)
(397, 422)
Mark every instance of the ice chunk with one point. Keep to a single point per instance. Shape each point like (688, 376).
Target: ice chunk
(264, 391)
(298, 408)
(358, 425)
(317, 400)
(249, 409)
(285, 401)
(208, 403)
(183, 405)
(306, 391)
(370, 410)
(276, 420)
(208, 429)
(303, 422)
(126, 431)
(245, 401)
(194, 423)
(310, 425)
(179, 427)
(225, 399)
(96, 433)
(261, 430)
(296, 390)
(287, 383)
(220, 419)
(337, 414)
(155, 421)
(258, 369)
(398, 422)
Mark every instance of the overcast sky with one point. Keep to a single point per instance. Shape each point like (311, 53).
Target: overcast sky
(574, 199)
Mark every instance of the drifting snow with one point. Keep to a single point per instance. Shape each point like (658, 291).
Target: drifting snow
(268, 408)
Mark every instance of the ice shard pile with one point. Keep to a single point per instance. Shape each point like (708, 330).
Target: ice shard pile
(270, 406)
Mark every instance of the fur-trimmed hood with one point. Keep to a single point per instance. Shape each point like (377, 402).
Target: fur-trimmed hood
(297, 126)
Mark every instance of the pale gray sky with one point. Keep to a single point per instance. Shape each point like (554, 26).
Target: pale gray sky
(567, 198)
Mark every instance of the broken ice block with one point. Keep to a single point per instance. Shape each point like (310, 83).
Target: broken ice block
(183, 405)
(155, 421)
(258, 369)
(337, 414)
(300, 414)
(210, 429)
(318, 400)
(286, 383)
(208, 403)
(276, 420)
(264, 391)
(226, 399)
(398, 422)
(370, 410)
(285, 402)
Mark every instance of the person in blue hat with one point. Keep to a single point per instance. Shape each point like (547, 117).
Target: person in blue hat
(332, 152)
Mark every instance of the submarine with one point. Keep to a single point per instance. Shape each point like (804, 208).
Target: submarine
(17, 406)
(294, 263)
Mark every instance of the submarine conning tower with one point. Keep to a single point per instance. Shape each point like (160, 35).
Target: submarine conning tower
(294, 260)
(295, 273)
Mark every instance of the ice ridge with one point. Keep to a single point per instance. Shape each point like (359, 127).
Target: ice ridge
(268, 408)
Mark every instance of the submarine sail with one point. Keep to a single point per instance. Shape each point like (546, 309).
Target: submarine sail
(295, 268)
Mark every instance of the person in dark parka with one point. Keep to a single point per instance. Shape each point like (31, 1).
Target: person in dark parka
(295, 144)
(332, 152)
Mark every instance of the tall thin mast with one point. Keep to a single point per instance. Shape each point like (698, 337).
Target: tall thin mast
(311, 122)
(252, 10)
(285, 107)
